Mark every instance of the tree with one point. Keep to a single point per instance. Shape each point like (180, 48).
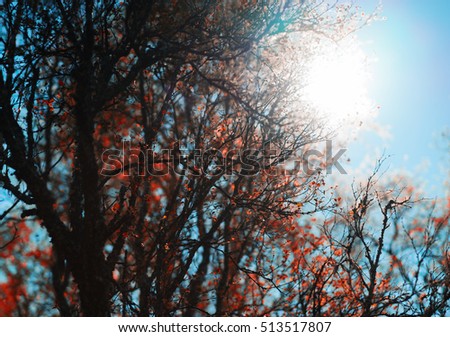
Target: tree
(153, 142)
(383, 250)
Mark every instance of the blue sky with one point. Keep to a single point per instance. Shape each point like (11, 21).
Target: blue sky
(411, 83)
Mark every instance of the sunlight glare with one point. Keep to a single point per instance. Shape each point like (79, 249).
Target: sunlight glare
(337, 83)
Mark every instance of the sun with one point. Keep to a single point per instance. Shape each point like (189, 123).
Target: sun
(337, 84)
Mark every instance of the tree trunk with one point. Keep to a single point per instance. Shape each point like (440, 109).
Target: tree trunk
(94, 282)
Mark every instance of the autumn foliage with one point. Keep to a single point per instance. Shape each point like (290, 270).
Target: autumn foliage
(151, 164)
